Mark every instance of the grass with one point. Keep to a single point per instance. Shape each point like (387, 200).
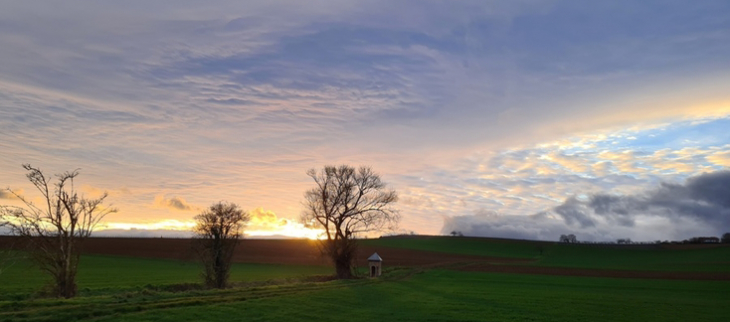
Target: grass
(98, 273)
(434, 295)
(462, 246)
(137, 289)
(715, 259)
(648, 257)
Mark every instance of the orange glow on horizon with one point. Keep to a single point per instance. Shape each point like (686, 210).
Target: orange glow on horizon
(285, 229)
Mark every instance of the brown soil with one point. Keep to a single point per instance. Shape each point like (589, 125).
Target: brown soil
(298, 252)
(306, 252)
(292, 251)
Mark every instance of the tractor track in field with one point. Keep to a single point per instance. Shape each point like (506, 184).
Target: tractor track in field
(149, 299)
(146, 300)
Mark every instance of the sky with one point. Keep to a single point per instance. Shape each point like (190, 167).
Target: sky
(517, 119)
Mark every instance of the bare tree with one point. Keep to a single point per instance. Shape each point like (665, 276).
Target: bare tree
(55, 229)
(347, 203)
(218, 230)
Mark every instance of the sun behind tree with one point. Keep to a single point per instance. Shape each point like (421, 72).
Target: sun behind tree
(348, 203)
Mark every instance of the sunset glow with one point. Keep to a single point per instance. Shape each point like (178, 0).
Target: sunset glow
(263, 224)
(490, 117)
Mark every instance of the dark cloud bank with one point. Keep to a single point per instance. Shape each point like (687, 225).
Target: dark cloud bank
(699, 207)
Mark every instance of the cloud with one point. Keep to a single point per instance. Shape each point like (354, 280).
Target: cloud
(262, 219)
(491, 224)
(704, 199)
(263, 224)
(5, 194)
(700, 206)
(266, 224)
(233, 101)
(174, 203)
(95, 192)
(720, 158)
(144, 233)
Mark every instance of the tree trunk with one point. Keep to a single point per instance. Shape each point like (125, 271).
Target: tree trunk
(220, 281)
(343, 269)
(218, 265)
(69, 287)
(66, 283)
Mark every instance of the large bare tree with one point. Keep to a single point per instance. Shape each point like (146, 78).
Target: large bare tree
(218, 230)
(348, 203)
(55, 229)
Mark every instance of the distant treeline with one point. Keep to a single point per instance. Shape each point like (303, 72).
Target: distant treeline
(627, 241)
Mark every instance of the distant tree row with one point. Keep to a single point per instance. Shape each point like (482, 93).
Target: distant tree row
(345, 203)
(568, 239)
(627, 241)
(703, 240)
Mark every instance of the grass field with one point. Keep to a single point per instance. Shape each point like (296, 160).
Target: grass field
(98, 273)
(446, 295)
(637, 257)
(464, 246)
(135, 289)
(433, 295)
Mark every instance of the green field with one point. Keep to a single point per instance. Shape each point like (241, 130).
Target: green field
(110, 273)
(133, 289)
(447, 295)
(464, 246)
(635, 257)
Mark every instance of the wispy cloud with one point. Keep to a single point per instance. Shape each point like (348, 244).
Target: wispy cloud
(528, 180)
(7, 194)
(449, 101)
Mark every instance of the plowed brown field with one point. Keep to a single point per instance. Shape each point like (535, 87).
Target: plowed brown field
(305, 252)
(292, 251)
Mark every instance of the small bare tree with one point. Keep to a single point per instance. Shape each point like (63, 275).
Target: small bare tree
(218, 231)
(347, 203)
(55, 229)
